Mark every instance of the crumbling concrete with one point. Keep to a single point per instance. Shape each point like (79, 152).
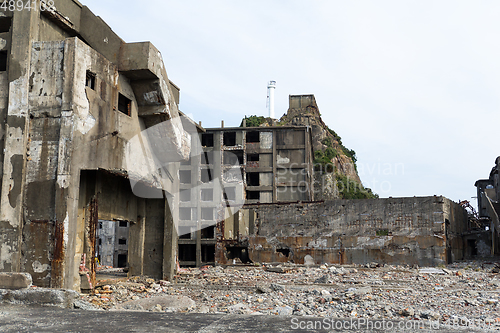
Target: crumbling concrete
(420, 230)
(83, 115)
(15, 280)
(40, 296)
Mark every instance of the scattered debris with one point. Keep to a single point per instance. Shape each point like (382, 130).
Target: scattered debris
(386, 292)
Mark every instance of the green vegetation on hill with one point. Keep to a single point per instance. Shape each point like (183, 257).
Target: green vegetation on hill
(253, 121)
(349, 189)
(349, 152)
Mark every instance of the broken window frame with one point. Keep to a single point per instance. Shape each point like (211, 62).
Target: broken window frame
(5, 24)
(4, 55)
(90, 79)
(124, 104)
(207, 140)
(206, 175)
(253, 137)
(229, 139)
(253, 195)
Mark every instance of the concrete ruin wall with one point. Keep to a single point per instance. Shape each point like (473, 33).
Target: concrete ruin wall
(419, 230)
(70, 149)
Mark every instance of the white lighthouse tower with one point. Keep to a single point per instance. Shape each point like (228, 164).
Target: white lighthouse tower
(270, 98)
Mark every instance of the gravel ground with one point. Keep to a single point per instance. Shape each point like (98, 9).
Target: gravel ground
(466, 293)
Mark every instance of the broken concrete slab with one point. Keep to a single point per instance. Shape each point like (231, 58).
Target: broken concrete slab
(239, 308)
(263, 289)
(309, 260)
(169, 303)
(284, 310)
(277, 270)
(15, 280)
(40, 296)
(431, 270)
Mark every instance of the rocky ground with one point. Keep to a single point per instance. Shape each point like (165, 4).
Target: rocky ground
(465, 292)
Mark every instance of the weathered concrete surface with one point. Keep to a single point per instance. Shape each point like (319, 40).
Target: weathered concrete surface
(419, 230)
(40, 296)
(62, 115)
(172, 303)
(15, 280)
(43, 319)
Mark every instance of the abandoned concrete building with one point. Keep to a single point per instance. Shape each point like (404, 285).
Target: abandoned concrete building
(93, 136)
(235, 166)
(112, 243)
(83, 115)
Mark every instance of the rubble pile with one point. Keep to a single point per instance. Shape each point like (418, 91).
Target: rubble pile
(464, 291)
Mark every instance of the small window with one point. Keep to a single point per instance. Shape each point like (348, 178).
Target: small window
(233, 157)
(206, 175)
(100, 241)
(230, 193)
(207, 214)
(252, 157)
(253, 136)
(253, 195)
(184, 232)
(122, 241)
(207, 157)
(5, 23)
(185, 176)
(230, 139)
(90, 80)
(100, 225)
(187, 252)
(207, 194)
(185, 213)
(185, 195)
(253, 179)
(208, 232)
(207, 139)
(124, 104)
(123, 224)
(3, 61)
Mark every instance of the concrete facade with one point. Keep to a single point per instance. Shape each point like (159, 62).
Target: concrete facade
(81, 110)
(112, 243)
(421, 230)
(233, 166)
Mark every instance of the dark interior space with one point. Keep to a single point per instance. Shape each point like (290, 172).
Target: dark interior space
(253, 179)
(253, 136)
(208, 253)
(187, 252)
(207, 139)
(234, 252)
(208, 232)
(253, 195)
(230, 139)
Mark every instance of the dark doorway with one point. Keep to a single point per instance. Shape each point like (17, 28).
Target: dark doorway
(122, 260)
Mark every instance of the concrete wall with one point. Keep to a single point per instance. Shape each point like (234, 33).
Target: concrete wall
(418, 230)
(58, 125)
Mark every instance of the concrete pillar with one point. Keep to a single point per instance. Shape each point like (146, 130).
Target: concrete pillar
(24, 29)
(136, 241)
(170, 244)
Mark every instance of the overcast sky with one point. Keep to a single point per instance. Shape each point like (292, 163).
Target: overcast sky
(412, 86)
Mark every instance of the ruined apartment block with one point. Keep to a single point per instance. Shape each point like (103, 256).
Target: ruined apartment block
(81, 111)
(238, 165)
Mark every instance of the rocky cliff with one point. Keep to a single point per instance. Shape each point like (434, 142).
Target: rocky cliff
(335, 165)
